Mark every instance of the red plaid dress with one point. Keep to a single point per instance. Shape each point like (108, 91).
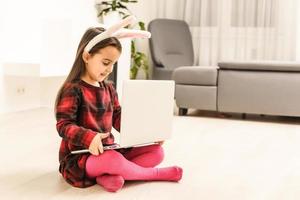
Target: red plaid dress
(82, 111)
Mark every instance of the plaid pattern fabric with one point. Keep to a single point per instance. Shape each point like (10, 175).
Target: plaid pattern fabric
(83, 111)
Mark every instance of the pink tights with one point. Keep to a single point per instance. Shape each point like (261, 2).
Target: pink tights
(112, 167)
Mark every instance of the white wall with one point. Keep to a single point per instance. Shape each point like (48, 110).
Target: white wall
(33, 28)
(40, 32)
(50, 86)
(62, 31)
(143, 10)
(1, 85)
(1, 57)
(298, 34)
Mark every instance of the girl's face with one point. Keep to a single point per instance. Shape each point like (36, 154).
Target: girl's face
(99, 65)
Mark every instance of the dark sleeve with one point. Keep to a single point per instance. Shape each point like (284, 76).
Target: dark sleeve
(116, 119)
(66, 116)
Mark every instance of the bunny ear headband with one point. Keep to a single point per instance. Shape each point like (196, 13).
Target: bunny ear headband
(119, 32)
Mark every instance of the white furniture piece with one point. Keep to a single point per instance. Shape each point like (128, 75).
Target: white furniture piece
(21, 85)
(123, 71)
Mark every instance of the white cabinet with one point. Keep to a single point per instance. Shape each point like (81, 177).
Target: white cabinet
(21, 87)
(123, 71)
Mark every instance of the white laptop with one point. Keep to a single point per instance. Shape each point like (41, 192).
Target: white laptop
(147, 113)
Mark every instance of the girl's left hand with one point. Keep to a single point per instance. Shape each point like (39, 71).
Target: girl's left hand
(96, 145)
(160, 142)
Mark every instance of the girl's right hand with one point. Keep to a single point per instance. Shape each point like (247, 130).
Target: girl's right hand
(96, 144)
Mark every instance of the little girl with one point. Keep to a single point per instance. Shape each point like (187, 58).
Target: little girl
(87, 108)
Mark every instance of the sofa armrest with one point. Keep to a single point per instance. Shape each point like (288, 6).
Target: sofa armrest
(261, 66)
(196, 75)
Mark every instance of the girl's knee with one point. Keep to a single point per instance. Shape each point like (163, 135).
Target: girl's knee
(158, 151)
(112, 154)
(106, 155)
(103, 163)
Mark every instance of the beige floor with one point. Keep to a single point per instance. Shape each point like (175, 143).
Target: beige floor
(223, 158)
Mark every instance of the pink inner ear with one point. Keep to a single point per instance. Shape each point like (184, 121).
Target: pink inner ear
(132, 34)
(121, 24)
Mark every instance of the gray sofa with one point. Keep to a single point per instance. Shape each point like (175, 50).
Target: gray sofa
(171, 46)
(270, 88)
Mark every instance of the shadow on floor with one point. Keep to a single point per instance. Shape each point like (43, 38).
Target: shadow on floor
(45, 185)
(247, 117)
(33, 183)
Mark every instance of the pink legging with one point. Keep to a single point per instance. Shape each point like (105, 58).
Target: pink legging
(134, 164)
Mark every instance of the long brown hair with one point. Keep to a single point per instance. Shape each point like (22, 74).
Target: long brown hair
(78, 67)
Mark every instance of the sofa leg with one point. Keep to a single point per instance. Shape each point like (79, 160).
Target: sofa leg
(223, 115)
(182, 111)
(244, 116)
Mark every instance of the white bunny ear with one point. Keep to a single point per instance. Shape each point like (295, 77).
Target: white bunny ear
(109, 32)
(128, 20)
(130, 33)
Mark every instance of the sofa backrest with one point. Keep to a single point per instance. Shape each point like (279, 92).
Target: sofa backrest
(171, 43)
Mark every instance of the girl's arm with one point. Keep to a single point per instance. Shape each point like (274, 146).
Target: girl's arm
(66, 115)
(116, 119)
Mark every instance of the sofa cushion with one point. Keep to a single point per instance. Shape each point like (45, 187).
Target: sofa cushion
(196, 75)
(259, 92)
(261, 65)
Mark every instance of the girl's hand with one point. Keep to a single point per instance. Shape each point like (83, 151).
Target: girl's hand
(96, 144)
(160, 142)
